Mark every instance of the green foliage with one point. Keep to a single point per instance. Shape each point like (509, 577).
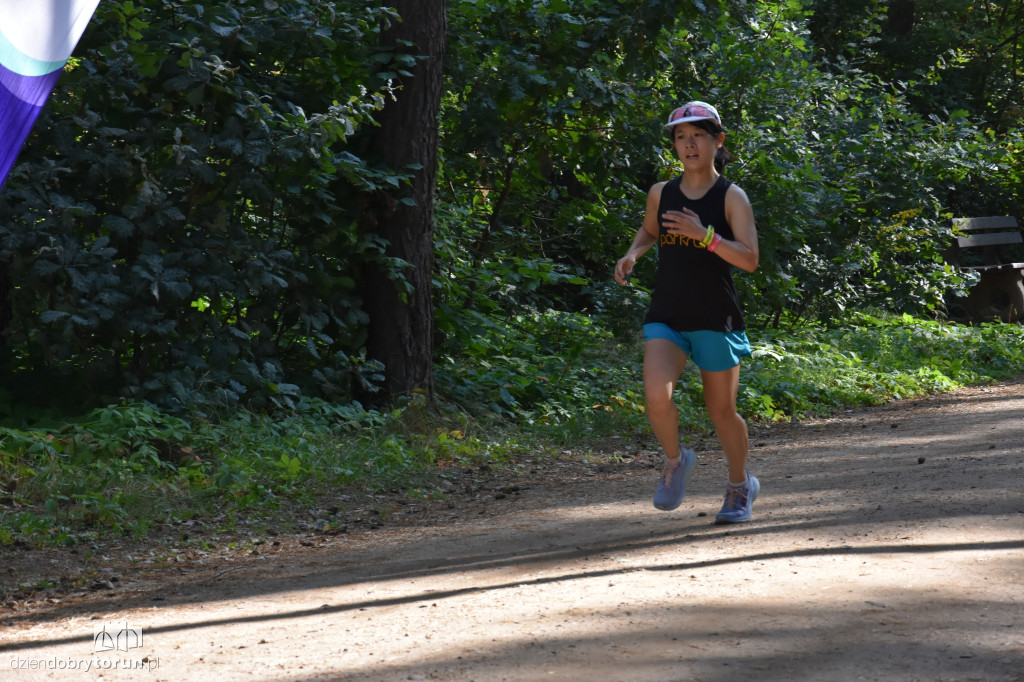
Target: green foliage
(873, 360)
(182, 227)
(947, 58)
(559, 370)
(538, 367)
(90, 473)
(125, 468)
(557, 381)
(969, 53)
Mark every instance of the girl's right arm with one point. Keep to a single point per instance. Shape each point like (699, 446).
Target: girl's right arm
(645, 237)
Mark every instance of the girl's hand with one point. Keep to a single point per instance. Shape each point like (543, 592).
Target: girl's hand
(685, 223)
(624, 268)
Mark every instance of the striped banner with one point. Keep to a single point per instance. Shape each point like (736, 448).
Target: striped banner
(36, 39)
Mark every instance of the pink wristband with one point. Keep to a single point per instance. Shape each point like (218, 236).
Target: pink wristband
(714, 243)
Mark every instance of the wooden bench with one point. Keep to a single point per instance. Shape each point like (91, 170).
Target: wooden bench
(987, 246)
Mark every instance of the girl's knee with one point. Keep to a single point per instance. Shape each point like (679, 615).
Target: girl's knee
(660, 406)
(724, 417)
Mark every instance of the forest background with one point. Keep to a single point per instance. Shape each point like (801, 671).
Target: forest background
(255, 251)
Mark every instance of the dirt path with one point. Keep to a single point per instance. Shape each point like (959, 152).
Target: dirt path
(888, 544)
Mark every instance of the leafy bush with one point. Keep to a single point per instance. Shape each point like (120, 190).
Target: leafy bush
(182, 226)
(872, 360)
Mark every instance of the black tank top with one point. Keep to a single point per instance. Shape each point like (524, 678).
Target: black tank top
(693, 289)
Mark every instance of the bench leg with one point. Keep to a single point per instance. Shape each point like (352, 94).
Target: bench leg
(997, 296)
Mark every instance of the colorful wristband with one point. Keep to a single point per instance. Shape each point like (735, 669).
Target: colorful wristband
(714, 243)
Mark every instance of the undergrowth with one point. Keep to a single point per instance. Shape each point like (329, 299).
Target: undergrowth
(535, 383)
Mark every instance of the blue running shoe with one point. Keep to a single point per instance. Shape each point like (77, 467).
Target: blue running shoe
(672, 485)
(739, 502)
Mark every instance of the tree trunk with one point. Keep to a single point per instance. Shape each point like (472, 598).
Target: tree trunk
(401, 324)
(902, 17)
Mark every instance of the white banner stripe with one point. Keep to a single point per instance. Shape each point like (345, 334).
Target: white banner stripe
(45, 30)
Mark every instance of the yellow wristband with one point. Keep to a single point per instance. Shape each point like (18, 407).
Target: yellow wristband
(708, 236)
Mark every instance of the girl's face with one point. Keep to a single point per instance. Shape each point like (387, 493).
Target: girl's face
(696, 146)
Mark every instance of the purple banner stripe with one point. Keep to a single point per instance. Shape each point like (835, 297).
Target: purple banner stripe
(33, 90)
(16, 119)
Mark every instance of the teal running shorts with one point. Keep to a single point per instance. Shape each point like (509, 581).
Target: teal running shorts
(712, 351)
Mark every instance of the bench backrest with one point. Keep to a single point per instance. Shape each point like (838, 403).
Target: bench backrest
(987, 231)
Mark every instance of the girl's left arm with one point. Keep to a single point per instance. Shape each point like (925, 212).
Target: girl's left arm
(741, 251)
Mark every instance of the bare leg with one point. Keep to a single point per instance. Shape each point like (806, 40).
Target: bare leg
(664, 362)
(720, 389)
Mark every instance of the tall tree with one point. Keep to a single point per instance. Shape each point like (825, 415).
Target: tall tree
(401, 317)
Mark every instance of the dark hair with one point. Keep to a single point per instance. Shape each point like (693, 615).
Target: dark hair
(722, 155)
